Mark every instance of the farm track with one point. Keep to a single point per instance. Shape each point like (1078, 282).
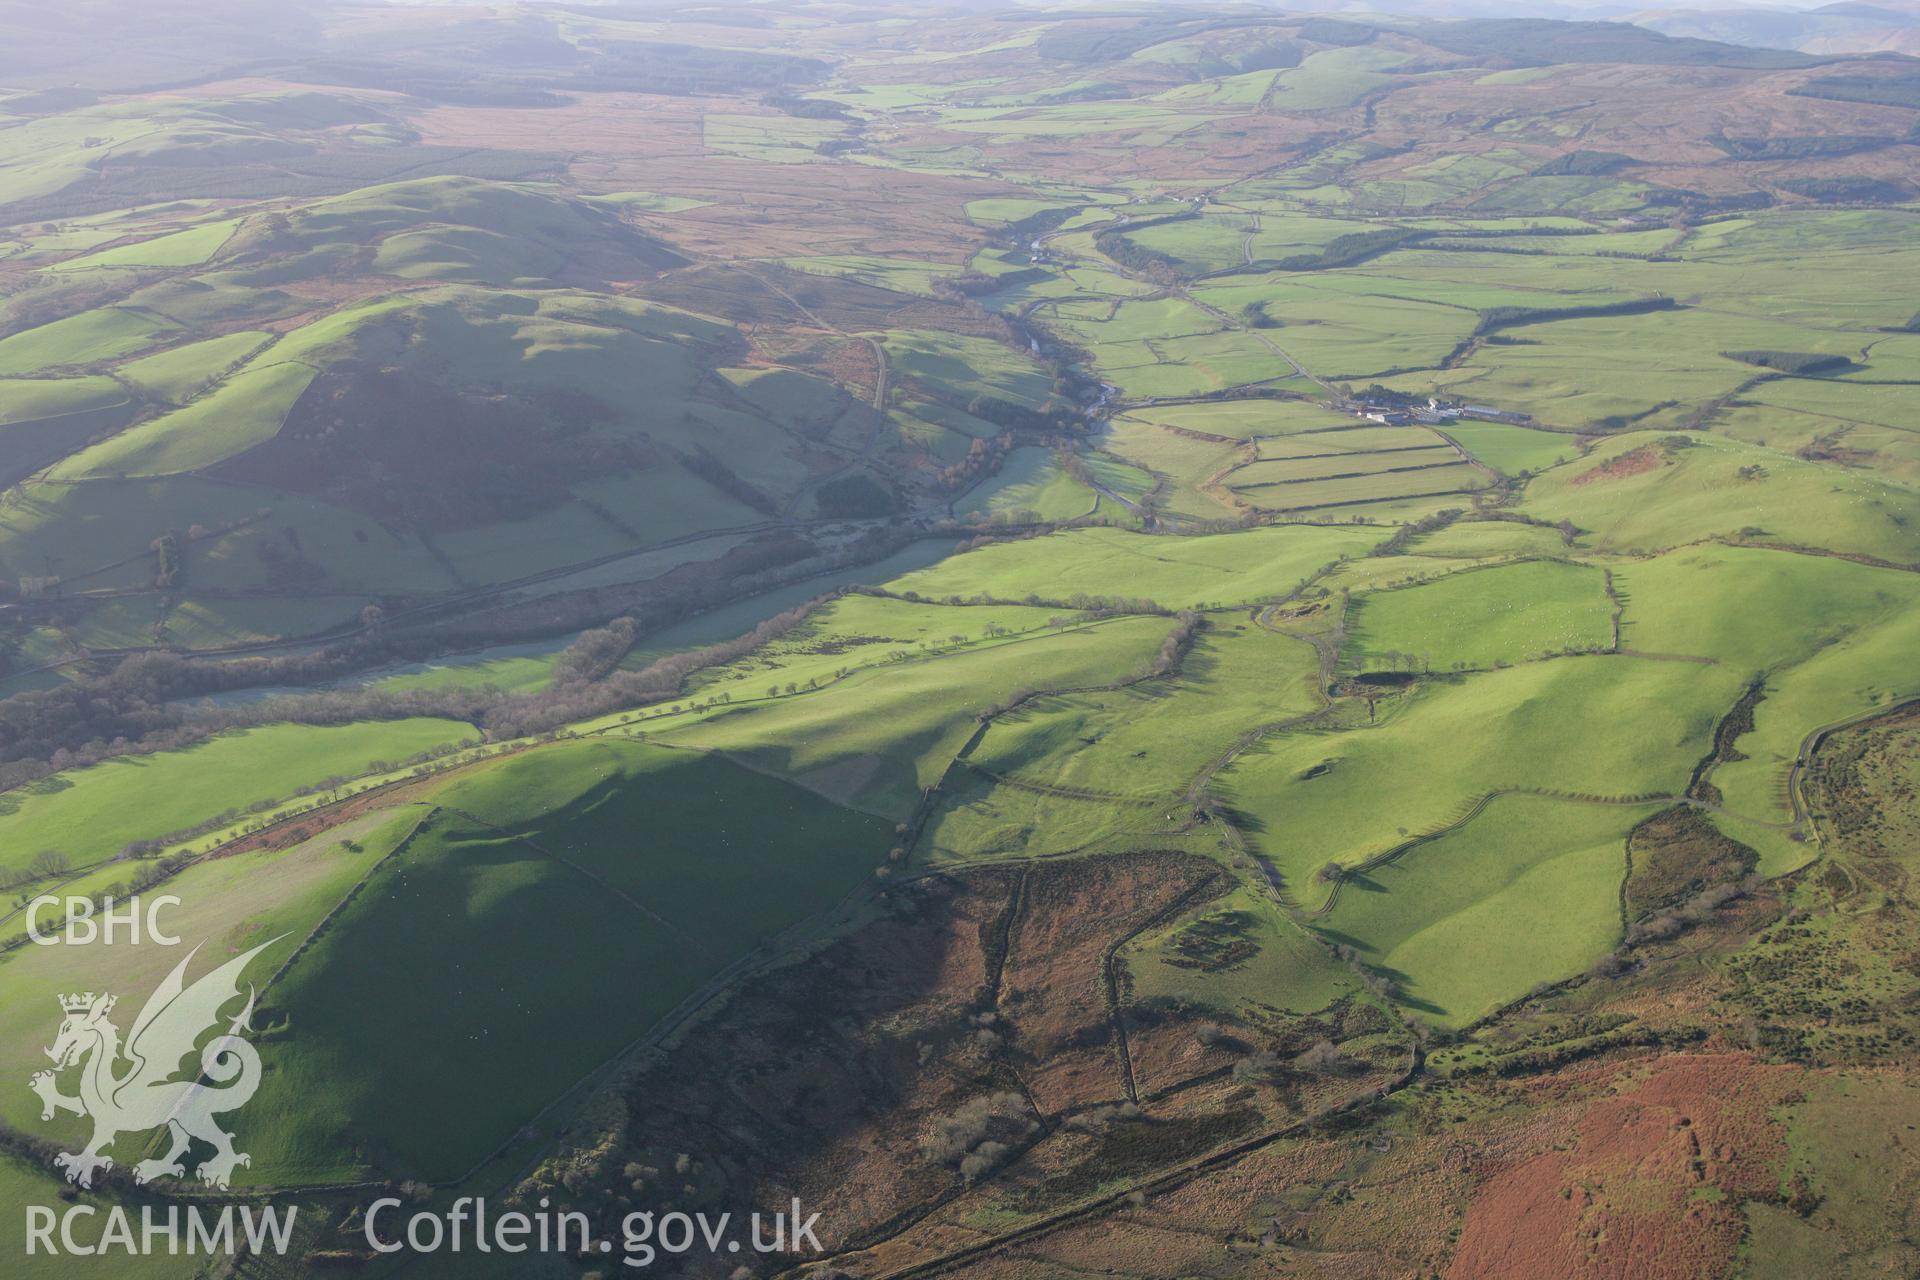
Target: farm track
(1789, 548)
(879, 406)
(1233, 1154)
(1619, 609)
(745, 965)
(1327, 651)
(1001, 945)
(230, 846)
(1809, 745)
(768, 954)
(1299, 370)
(1181, 290)
(1064, 793)
(1215, 486)
(472, 594)
(878, 401)
(1220, 480)
(1149, 519)
(1069, 1217)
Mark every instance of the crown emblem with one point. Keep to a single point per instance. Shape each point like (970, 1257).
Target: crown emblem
(146, 1095)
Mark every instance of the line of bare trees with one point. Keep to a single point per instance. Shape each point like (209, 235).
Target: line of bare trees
(1080, 602)
(133, 709)
(144, 705)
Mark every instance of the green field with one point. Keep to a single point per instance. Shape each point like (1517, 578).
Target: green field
(176, 375)
(1490, 538)
(1340, 327)
(743, 616)
(1826, 640)
(970, 366)
(1663, 497)
(1489, 618)
(859, 631)
(1186, 465)
(528, 667)
(1350, 438)
(1524, 893)
(1385, 572)
(1512, 450)
(89, 814)
(187, 248)
(1233, 568)
(1151, 741)
(102, 534)
(1314, 495)
(1030, 484)
(1277, 471)
(1247, 419)
(28, 399)
(1289, 970)
(1309, 797)
(81, 340)
(246, 409)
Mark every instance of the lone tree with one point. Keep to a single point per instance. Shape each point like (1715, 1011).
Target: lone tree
(46, 863)
(1324, 1056)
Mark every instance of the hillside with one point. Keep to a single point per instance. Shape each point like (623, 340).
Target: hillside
(1847, 27)
(1171, 641)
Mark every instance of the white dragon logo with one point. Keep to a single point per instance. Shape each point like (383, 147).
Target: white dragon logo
(146, 1096)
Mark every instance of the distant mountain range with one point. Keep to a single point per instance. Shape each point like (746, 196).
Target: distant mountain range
(1853, 26)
